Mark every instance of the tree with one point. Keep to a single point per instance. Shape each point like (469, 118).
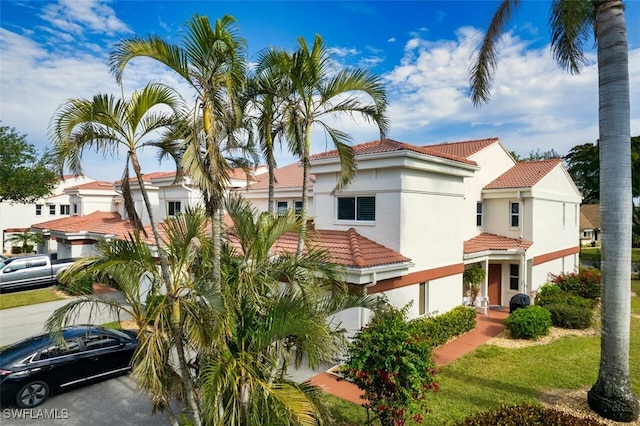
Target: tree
(583, 164)
(393, 364)
(25, 176)
(189, 298)
(319, 92)
(26, 240)
(212, 62)
(571, 23)
(276, 309)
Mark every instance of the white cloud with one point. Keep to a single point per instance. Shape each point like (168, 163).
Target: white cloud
(77, 16)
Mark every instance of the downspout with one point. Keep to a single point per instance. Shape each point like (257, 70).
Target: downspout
(523, 262)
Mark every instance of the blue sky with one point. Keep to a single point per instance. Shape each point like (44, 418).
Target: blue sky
(51, 51)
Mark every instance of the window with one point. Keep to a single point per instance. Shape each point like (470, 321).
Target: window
(75, 209)
(99, 341)
(514, 277)
(282, 207)
(422, 294)
(479, 214)
(174, 208)
(38, 209)
(35, 263)
(16, 266)
(515, 215)
(64, 209)
(70, 347)
(357, 208)
(52, 209)
(297, 206)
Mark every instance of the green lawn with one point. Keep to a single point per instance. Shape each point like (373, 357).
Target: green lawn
(594, 253)
(28, 297)
(491, 376)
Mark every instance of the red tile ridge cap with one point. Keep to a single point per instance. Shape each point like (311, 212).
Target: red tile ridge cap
(355, 247)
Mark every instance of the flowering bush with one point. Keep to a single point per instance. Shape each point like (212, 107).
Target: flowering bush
(393, 366)
(585, 283)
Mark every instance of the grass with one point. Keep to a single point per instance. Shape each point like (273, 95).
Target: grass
(491, 376)
(594, 253)
(28, 297)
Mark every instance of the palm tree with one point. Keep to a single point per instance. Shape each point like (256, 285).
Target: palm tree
(26, 240)
(212, 62)
(276, 310)
(571, 22)
(318, 93)
(188, 298)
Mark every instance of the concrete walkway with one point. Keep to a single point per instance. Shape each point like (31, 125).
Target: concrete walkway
(487, 327)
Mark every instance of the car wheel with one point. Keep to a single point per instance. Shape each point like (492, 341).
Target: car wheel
(32, 394)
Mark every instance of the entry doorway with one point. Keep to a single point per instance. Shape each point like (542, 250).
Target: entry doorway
(494, 284)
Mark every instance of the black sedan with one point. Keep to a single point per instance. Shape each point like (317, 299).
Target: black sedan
(34, 368)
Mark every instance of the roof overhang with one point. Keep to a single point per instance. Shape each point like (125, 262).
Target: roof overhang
(373, 274)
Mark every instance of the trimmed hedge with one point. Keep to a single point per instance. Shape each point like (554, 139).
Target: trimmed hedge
(568, 316)
(440, 329)
(531, 322)
(527, 415)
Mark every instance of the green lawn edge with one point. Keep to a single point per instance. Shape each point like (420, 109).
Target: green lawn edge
(29, 297)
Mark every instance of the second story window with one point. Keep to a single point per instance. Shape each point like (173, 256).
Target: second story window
(479, 214)
(514, 216)
(174, 208)
(64, 209)
(52, 209)
(282, 207)
(75, 209)
(357, 208)
(38, 209)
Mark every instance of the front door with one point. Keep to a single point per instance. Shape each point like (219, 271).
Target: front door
(494, 283)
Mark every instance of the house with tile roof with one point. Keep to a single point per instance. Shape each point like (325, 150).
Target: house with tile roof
(428, 212)
(589, 224)
(18, 217)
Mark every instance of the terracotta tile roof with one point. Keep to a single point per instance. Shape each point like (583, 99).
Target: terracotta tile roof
(98, 184)
(389, 145)
(524, 174)
(486, 242)
(464, 149)
(347, 248)
(590, 216)
(286, 177)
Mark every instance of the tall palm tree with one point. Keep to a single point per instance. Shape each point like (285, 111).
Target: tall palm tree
(318, 93)
(276, 309)
(571, 22)
(188, 297)
(212, 62)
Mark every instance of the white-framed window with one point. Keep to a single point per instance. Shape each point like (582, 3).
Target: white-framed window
(64, 209)
(357, 208)
(174, 208)
(52, 209)
(282, 207)
(586, 234)
(514, 277)
(38, 209)
(479, 214)
(75, 209)
(514, 214)
(297, 206)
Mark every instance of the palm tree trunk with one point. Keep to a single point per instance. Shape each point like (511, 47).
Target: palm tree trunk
(272, 184)
(611, 396)
(305, 184)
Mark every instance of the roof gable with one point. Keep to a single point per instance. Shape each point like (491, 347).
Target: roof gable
(524, 174)
(590, 216)
(493, 242)
(289, 176)
(464, 149)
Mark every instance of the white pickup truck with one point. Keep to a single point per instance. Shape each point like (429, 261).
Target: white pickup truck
(31, 270)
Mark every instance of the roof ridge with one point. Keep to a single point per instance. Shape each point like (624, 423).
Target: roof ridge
(354, 244)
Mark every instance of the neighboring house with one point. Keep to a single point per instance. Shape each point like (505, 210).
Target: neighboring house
(590, 224)
(289, 195)
(18, 217)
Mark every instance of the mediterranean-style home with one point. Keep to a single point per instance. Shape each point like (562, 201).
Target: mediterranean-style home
(18, 217)
(410, 222)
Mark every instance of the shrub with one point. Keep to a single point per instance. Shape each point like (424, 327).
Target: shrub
(563, 298)
(567, 316)
(393, 366)
(531, 322)
(527, 415)
(440, 329)
(585, 283)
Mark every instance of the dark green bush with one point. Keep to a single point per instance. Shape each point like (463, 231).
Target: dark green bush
(563, 298)
(531, 322)
(585, 283)
(76, 285)
(567, 316)
(527, 415)
(440, 329)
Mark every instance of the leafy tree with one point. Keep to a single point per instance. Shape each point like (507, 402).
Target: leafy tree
(188, 299)
(25, 176)
(583, 164)
(393, 365)
(26, 240)
(318, 92)
(276, 310)
(571, 23)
